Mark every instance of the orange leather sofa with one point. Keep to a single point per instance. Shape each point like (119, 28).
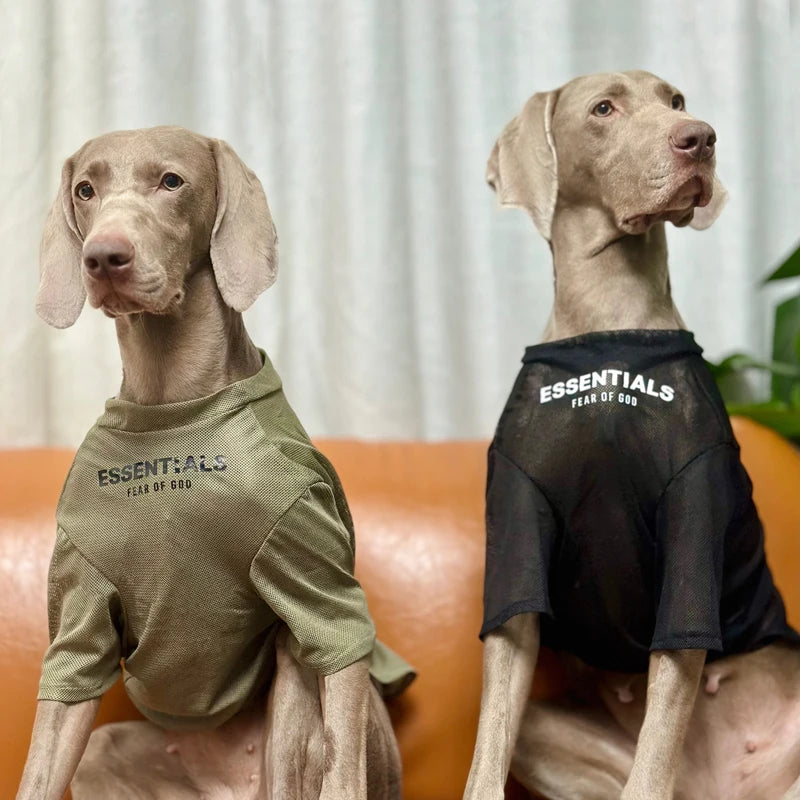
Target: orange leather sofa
(418, 510)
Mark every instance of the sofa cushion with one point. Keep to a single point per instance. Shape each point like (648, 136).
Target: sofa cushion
(418, 512)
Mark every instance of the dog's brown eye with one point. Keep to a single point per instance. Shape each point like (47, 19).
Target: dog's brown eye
(172, 181)
(678, 103)
(603, 108)
(84, 190)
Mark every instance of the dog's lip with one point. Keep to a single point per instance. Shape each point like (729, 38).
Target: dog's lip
(125, 306)
(119, 296)
(122, 305)
(700, 197)
(637, 220)
(114, 304)
(131, 281)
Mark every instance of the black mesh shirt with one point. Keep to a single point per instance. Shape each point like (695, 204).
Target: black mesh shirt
(618, 508)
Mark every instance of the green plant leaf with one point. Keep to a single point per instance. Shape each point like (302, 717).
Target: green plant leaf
(779, 416)
(741, 361)
(726, 366)
(785, 346)
(790, 268)
(733, 383)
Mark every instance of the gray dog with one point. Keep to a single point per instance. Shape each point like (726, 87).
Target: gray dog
(620, 523)
(203, 542)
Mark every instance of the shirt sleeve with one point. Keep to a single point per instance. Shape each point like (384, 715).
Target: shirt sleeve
(520, 531)
(692, 520)
(83, 660)
(304, 572)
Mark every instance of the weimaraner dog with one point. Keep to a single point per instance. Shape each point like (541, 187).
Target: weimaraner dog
(601, 164)
(169, 233)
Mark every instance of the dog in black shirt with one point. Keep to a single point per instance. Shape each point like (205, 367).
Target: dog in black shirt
(620, 524)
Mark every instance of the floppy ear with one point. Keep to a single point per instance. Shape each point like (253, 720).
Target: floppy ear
(704, 217)
(61, 294)
(523, 168)
(244, 244)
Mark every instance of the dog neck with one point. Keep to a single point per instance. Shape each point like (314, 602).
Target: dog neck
(607, 280)
(196, 351)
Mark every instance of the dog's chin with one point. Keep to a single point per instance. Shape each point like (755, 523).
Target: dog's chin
(678, 207)
(116, 304)
(641, 223)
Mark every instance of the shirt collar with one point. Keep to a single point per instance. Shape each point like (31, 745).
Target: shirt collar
(667, 343)
(128, 416)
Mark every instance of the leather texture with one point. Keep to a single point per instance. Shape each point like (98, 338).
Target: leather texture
(418, 511)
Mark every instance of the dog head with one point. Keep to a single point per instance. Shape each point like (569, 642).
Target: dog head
(620, 141)
(140, 211)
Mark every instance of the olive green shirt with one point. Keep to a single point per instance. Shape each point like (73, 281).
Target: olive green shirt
(186, 533)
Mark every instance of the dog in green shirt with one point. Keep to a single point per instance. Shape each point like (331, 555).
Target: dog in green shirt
(204, 549)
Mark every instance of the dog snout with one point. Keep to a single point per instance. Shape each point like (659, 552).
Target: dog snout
(111, 254)
(694, 139)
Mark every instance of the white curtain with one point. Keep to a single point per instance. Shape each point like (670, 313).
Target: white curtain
(405, 295)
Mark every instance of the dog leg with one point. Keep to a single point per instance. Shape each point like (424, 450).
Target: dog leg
(60, 734)
(361, 759)
(293, 735)
(345, 713)
(308, 753)
(384, 768)
(509, 661)
(672, 683)
(572, 754)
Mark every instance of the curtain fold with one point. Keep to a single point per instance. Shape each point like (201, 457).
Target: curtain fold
(405, 295)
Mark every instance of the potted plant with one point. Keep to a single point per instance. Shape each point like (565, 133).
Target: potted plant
(781, 410)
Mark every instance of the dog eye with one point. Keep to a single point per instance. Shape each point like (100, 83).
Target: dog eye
(678, 103)
(603, 108)
(84, 190)
(172, 181)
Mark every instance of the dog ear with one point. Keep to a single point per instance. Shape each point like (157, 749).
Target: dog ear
(523, 168)
(61, 294)
(704, 217)
(244, 244)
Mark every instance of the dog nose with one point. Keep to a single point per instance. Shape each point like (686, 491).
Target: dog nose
(109, 253)
(695, 139)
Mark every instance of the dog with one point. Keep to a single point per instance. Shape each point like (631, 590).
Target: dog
(203, 542)
(620, 525)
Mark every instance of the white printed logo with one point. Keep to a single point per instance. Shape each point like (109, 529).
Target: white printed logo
(612, 381)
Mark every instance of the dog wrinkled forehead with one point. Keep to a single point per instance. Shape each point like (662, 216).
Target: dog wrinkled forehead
(637, 88)
(126, 154)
